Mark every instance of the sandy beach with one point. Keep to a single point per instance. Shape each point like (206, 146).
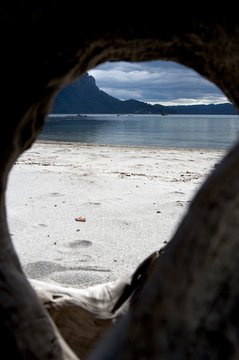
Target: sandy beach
(132, 199)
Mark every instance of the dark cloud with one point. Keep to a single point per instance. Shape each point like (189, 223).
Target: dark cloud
(156, 82)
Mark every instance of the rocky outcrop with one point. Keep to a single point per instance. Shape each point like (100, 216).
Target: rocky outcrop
(83, 96)
(188, 307)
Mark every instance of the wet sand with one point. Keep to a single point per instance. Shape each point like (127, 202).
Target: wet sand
(132, 199)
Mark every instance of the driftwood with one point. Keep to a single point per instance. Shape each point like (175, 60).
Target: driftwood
(189, 309)
(84, 315)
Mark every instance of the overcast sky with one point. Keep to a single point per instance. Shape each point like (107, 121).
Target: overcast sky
(162, 82)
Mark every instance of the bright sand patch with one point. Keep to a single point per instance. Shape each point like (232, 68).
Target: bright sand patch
(132, 199)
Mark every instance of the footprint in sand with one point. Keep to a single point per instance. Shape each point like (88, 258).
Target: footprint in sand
(77, 253)
(56, 194)
(80, 243)
(41, 269)
(79, 279)
(92, 203)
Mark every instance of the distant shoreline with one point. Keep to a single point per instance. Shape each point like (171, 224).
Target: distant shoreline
(143, 147)
(133, 114)
(172, 131)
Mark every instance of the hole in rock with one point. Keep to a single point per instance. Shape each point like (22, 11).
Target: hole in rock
(113, 171)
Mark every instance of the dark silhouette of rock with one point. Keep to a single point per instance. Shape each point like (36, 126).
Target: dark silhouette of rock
(83, 96)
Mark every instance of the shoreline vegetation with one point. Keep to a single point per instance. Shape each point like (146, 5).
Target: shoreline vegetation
(131, 199)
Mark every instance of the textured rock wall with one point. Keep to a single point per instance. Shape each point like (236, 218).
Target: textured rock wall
(44, 47)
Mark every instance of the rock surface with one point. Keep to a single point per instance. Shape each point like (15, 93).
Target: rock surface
(188, 309)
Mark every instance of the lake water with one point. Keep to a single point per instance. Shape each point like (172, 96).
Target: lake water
(178, 131)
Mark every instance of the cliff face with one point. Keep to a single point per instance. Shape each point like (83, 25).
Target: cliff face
(84, 97)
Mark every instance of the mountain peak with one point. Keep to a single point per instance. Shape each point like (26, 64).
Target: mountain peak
(83, 96)
(87, 79)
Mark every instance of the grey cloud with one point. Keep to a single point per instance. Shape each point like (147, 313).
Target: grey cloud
(156, 82)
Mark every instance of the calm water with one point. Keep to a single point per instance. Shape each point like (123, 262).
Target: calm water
(190, 131)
